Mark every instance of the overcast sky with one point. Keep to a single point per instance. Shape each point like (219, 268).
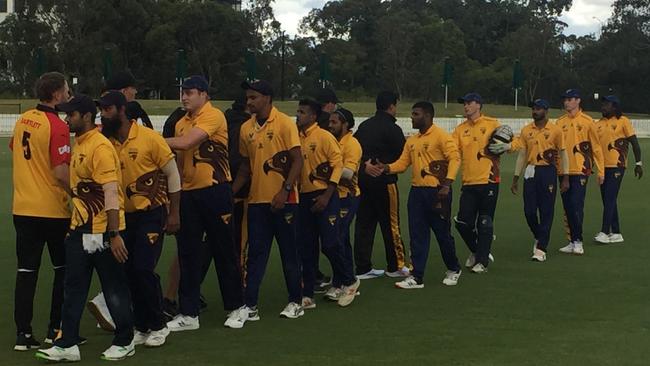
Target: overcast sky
(584, 17)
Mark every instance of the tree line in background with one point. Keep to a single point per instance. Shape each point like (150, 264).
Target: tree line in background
(358, 46)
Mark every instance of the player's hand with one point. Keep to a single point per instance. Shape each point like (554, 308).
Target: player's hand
(443, 192)
(279, 200)
(119, 250)
(564, 186)
(514, 188)
(498, 148)
(173, 224)
(638, 171)
(601, 180)
(374, 170)
(320, 203)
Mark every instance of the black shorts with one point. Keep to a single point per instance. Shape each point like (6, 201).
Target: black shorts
(32, 233)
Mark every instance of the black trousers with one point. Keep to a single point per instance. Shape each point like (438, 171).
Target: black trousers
(475, 219)
(379, 204)
(112, 276)
(207, 210)
(144, 239)
(32, 233)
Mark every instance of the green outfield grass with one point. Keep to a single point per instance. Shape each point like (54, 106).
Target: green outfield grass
(165, 107)
(589, 310)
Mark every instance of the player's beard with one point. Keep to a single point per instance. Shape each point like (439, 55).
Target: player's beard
(110, 126)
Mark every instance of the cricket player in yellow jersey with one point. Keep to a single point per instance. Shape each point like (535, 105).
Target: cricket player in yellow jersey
(481, 177)
(150, 180)
(41, 214)
(95, 237)
(206, 207)
(433, 155)
(319, 207)
(615, 133)
(271, 161)
(585, 152)
(542, 153)
(341, 122)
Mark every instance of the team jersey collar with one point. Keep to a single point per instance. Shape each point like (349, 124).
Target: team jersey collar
(427, 132)
(309, 130)
(480, 119)
(546, 126)
(86, 135)
(203, 109)
(44, 108)
(272, 115)
(346, 137)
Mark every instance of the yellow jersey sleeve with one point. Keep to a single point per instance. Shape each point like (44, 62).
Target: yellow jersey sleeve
(599, 159)
(351, 154)
(450, 150)
(161, 154)
(628, 129)
(400, 165)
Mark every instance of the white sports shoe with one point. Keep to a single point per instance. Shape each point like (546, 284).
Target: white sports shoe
(308, 303)
(538, 256)
(253, 314)
(140, 337)
(182, 322)
(568, 249)
(116, 353)
(98, 308)
(404, 272)
(578, 248)
(333, 293)
(602, 238)
(157, 338)
(373, 273)
(616, 238)
(409, 283)
(349, 293)
(479, 268)
(471, 260)
(292, 311)
(451, 278)
(237, 318)
(60, 354)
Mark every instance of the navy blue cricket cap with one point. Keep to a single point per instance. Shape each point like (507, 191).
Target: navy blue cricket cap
(121, 80)
(571, 93)
(261, 86)
(197, 82)
(539, 103)
(471, 97)
(112, 97)
(611, 98)
(80, 103)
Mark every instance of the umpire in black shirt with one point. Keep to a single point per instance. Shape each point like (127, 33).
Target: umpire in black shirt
(382, 140)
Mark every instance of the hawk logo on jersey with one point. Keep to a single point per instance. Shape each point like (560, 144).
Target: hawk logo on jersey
(153, 238)
(322, 172)
(621, 146)
(269, 135)
(436, 168)
(216, 155)
(279, 163)
(226, 218)
(550, 156)
(584, 149)
(133, 154)
(152, 186)
(91, 195)
(350, 184)
(331, 219)
(494, 176)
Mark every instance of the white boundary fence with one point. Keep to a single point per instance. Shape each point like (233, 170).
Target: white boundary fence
(642, 126)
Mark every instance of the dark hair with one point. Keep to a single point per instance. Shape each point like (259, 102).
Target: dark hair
(48, 84)
(385, 99)
(313, 105)
(427, 107)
